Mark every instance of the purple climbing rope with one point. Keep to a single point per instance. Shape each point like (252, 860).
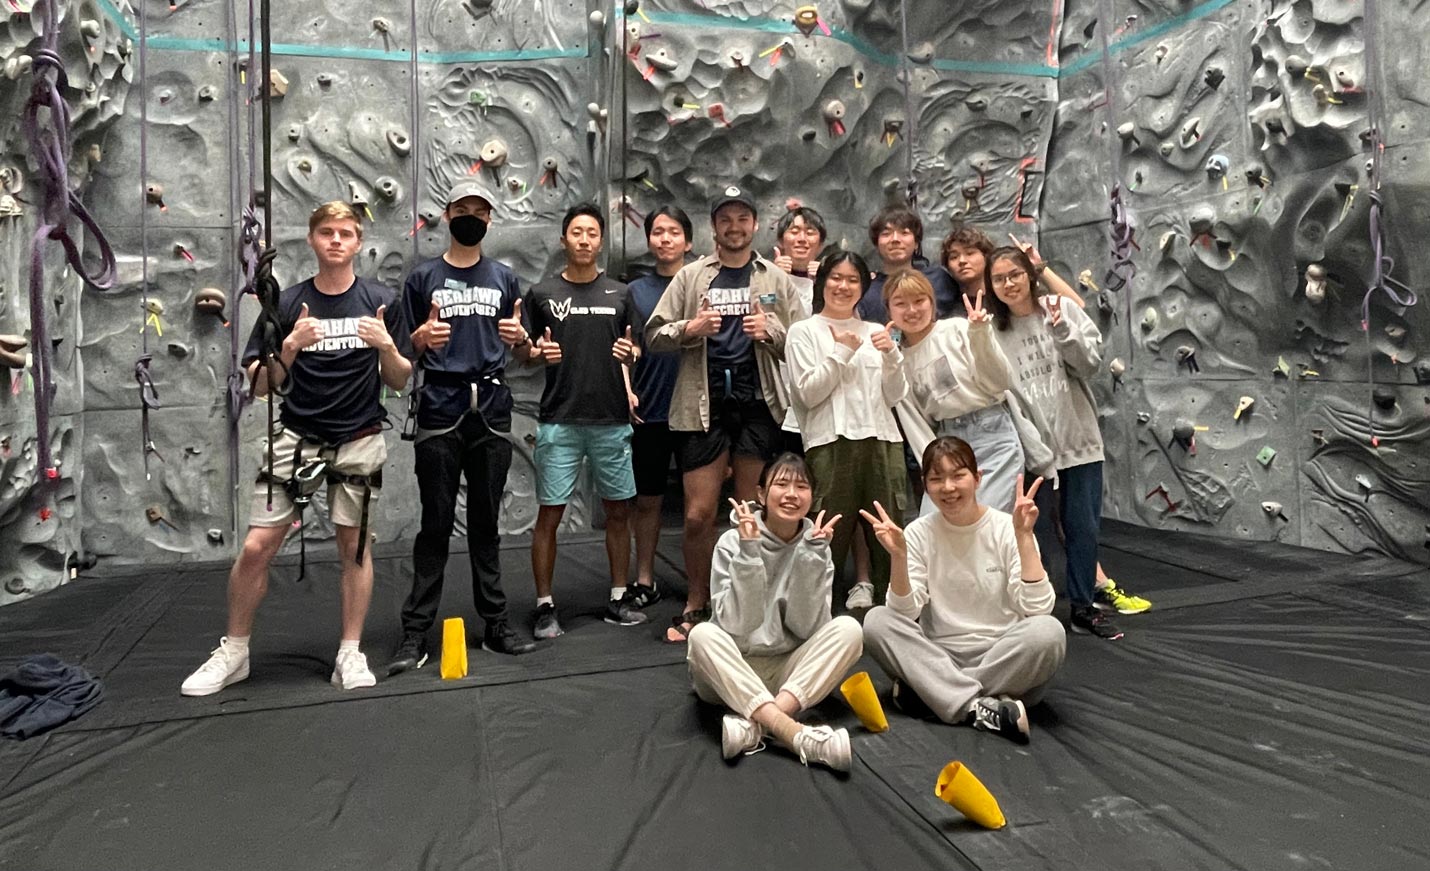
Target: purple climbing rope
(50, 146)
(1124, 241)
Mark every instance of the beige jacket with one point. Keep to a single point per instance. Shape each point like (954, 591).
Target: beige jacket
(665, 331)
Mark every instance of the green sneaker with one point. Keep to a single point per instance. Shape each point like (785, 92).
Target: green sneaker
(1114, 598)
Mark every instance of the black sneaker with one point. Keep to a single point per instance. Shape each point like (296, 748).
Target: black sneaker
(500, 638)
(910, 703)
(1088, 620)
(643, 596)
(547, 626)
(411, 653)
(623, 612)
(1007, 717)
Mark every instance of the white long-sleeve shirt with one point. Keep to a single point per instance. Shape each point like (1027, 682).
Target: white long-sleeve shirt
(966, 582)
(957, 368)
(837, 392)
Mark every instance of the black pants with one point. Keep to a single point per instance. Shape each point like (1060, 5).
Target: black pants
(484, 458)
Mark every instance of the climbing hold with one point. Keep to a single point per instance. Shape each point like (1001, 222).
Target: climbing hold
(1217, 165)
(1214, 77)
(493, 153)
(834, 117)
(17, 66)
(1184, 433)
(1149, 320)
(277, 84)
(1162, 51)
(356, 195)
(1144, 417)
(207, 94)
(1191, 132)
(382, 25)
(806, 18)
(549, 167)
(12, 354)
(1086, 282)
(1365, 484)
(632, 7)
(477, 98)
(95, 153)
(1166, 148)
(399, 142)
(893, 129)
(662, 59)
(737, 58)
(1187, 355)
(155, 514)
(1383, 397)
(180, 350)
(324, 80)
(295, 132)
(1346, 82)
(975, 103)
(165, 95)
(1282, 368)
(921, 53)
(215, 536)
(154, 193)
(90, 28)
(1266, 455)
(1316, 283)
(304, 165)
(1127, 131)
(1296, 65)
(1274, 510)
(387, 188)
(210, 301)
(1395, 333)
(597, 18)
(1243, 405)
(10, 207)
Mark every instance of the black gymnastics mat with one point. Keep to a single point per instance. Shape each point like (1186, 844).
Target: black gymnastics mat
(1270, 713)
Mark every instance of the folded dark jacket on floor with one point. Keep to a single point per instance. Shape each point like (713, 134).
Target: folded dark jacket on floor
(41, 693)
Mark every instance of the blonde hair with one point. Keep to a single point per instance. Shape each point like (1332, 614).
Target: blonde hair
(907, 281)
(337, 210)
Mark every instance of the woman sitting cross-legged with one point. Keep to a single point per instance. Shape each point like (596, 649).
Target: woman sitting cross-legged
(770, 648)
(966, 634)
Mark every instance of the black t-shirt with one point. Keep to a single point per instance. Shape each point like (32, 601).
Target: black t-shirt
(471, 299)
(586, 319)
(334, 387)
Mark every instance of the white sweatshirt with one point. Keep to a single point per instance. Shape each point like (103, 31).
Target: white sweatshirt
(966, 582)
(801, 306)
(770, 595)
(841, 393)
(957, 368)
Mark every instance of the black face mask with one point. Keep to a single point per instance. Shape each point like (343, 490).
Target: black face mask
(468, 229)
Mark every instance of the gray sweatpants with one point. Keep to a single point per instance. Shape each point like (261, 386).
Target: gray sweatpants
(722, 675)
(1020, 663)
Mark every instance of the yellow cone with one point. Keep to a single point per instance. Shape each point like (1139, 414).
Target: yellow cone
(959, 787)
(454, 648)
(859, 692)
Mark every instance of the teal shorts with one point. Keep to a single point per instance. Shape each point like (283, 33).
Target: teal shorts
(560, 448)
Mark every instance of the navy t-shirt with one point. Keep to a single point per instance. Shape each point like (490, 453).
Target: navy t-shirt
(585, 319)
(471, 299)
(730, 296)
(334, 387)
(947, 297)
(654, 376)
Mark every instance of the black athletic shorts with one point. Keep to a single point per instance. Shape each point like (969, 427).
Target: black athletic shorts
(744, 428)
(652, 446)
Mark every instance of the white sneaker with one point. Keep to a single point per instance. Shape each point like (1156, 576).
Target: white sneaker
(861, 596)
(350, 671)
(825, 745)
(739, 735)
(226, 666)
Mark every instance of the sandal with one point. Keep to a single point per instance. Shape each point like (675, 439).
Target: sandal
(680, 627)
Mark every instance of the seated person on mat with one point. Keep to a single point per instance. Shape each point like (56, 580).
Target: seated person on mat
(770, 648)
(966, 633)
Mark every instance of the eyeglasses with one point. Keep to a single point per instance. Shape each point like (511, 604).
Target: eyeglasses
(1008, 278)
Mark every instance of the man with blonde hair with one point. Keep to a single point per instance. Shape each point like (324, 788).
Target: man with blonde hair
(342, 338)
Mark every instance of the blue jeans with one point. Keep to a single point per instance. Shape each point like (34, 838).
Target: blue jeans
(1079, 515)
(994, 439)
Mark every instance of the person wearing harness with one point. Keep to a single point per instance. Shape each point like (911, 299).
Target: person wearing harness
(726, 314)
(343, 338)
(467, 309)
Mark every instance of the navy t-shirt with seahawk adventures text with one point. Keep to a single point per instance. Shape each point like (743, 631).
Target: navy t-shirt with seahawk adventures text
(470, 300)
(334, 389)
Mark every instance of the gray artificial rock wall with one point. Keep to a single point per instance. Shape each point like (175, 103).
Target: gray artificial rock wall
(992, 112)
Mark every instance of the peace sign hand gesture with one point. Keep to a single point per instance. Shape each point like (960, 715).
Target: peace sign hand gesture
(746, 521)
(1054, 305)
(1025, 512)
(977, 314)
(889, 533)
(824, 531)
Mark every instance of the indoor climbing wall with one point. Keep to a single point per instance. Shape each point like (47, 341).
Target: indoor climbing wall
(1228, 273)
(1235, 277)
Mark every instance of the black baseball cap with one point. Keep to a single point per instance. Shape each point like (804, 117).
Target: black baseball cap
(733, 194)
(470, 188)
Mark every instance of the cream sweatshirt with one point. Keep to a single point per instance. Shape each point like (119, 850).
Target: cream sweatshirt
(837, 392)
(966, 582)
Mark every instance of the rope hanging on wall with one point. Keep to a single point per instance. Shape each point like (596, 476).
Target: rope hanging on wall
(47, 128)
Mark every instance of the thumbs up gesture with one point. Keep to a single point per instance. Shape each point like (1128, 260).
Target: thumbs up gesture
(881, 339)
(434, 333)
(307, 331)
(624, 349)
(548, 349)
(706, 322)
(372, 329)
(783, 260)
(755, 326)
(511, 329)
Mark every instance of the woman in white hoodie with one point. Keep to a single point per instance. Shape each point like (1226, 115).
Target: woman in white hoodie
(846, 375)
(770, 648)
